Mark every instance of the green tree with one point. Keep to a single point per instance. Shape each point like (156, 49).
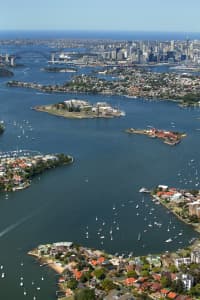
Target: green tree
(85, 294)
(165, 281)
(100, 273)
(108, 285)
(72, 284)
(178, 286)
(131, 273)
(144, 273)
(156, 270)
(86, 277)
(173, 269)
(195, 291)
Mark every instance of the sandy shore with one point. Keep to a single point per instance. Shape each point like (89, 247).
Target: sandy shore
(46, 261)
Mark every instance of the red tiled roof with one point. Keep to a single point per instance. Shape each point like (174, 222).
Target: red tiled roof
(77, 274)
(172, 295)
(94, 262)
(164, 291)
(130, 281)
(101, 260)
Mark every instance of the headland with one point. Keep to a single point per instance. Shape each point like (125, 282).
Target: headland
(99, 275)
(16, 172)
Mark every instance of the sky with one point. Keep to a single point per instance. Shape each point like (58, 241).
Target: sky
(109, 15)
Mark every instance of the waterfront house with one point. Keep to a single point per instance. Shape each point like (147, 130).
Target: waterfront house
(154, 260)
(195, 256)
(187, 280)
(182, 261)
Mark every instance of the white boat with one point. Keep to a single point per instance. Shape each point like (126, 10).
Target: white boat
(143, 190)
(139, 236)
(168, 241)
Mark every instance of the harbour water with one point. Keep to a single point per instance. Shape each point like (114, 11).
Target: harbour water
(95, 201)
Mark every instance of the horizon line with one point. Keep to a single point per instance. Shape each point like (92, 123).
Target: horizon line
(102, 30)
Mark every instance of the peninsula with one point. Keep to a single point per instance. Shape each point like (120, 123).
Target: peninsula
(90, 274)
(131, 82)
(169, 137)
(185, 204)
(16, 172)
(80, 109)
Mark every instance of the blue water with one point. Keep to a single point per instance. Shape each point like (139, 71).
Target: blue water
(100, 190)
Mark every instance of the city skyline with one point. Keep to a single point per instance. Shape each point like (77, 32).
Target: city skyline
(179, 16)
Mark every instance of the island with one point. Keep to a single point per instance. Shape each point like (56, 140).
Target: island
(16, 172)
(185, 204)
(91, 274)
(169, 137)
(60, 69)
(80, 109)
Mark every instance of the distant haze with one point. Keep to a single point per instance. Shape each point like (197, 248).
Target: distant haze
(154, 15)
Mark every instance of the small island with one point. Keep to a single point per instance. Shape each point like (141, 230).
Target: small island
(91, 274)
(169, 137)
(60, 69)
(16, 172)
(185, 204)
(80, 109)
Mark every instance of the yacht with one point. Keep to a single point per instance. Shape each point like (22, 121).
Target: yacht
(168, 241)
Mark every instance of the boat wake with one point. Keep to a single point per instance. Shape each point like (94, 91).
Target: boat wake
(15, 225)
